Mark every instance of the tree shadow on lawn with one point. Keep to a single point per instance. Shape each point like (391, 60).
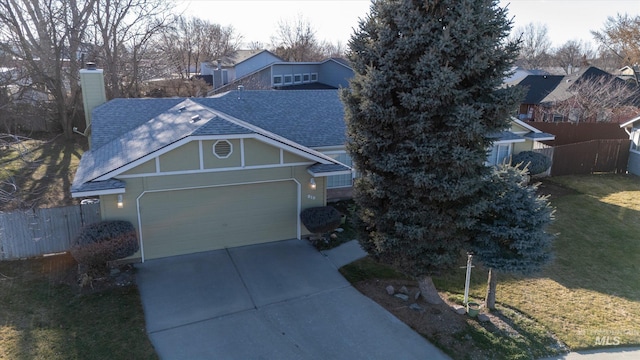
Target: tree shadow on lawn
(46, 181)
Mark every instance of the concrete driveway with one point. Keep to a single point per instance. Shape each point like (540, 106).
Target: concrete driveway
(280, 300)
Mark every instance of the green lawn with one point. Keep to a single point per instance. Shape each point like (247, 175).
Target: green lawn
(589, 296)
(592, 288)
(42, 318)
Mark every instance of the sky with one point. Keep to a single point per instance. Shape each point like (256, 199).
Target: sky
(334, 20)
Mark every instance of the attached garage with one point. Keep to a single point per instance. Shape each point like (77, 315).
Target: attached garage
(175, 222)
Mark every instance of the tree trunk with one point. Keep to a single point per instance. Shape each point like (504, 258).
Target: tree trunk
(429, 291)
(492, 282)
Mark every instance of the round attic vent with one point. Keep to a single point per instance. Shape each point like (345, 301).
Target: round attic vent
(222, 149)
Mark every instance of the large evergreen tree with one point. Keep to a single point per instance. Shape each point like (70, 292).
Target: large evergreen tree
(510, 236)
(422, 105)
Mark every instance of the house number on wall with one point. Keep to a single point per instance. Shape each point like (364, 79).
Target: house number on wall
(311, 197)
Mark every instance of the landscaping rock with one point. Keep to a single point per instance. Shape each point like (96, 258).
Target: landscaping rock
(416, 307)
(402, 296)
(416, 296)
(404, 290)
(390, 290)
(334, 236)
(459, 309)
(339, 230)
(114, 271)
(483, 317)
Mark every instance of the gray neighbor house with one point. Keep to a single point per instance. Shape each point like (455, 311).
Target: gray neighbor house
(632, 127)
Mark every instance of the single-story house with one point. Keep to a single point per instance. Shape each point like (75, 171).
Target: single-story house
(632, 127)
(199, 174)
(519, 137)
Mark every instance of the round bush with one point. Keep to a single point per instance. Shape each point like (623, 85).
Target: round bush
(536, 163)
(105, 241)
(321, 219)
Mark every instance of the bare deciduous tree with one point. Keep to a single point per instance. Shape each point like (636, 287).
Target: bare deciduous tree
(45, 38)
(295, 40)
(535, 44)
(192, 40)
(123, 31)
(572, 55)
(597, 99)
(621, 35)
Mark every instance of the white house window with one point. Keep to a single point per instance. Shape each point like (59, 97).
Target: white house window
(499, 154)
(314, 77)
(339, 181)
(222, 149)
(288, 79)
(277, 80)
(297, 78)
(306, 78)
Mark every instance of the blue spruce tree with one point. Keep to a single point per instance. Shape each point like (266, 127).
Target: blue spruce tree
(425, 97)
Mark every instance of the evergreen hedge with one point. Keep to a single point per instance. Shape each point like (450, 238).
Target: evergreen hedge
(104, 241)
(321, 219)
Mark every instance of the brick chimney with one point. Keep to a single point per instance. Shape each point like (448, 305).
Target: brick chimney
(93, 92)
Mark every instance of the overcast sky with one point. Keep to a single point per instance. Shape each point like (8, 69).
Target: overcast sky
(334, 20)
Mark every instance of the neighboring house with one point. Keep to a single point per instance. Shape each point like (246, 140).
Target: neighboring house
(544, 92)
(198, 174)
(537, 88)
(519, 137)
(632, 127)
(263, 70)
(518, 73)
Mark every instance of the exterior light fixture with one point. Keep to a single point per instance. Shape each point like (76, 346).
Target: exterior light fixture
(120, 203)
(312, 184)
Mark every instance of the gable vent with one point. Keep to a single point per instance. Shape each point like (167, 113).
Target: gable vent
(222, 149)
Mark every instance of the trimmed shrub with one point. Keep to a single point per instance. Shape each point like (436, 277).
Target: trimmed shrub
(321, 219)
(104, 241)
(536, 163)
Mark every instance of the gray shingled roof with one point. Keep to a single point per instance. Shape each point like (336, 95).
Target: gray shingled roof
(541, 135)
(320, 169)
(312, 118)
(126, 130)
(505, 136)
(111, 184)
(174, 124)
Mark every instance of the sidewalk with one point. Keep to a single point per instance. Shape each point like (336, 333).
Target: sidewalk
(345, 253)
(614, 353)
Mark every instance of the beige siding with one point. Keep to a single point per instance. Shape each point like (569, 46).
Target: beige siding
(187, 190)
(210, 161)
(185, 157)
(522, 146)
(259, 153)
(293, 158)
(187, 221)
(148, 167)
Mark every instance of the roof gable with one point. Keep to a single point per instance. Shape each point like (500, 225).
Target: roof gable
(539, 86)
(271, 116)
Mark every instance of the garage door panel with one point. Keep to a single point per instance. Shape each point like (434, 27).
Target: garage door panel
(187, 221)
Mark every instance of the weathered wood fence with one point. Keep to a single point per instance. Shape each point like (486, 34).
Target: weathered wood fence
(590, 157)
(29, 233)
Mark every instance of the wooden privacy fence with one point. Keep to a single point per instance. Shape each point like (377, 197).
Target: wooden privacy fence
(29, 233)
(590, 157)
